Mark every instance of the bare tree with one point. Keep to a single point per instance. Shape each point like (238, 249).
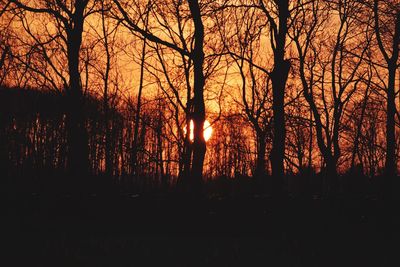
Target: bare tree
(278, 25)
(242, 42)
(357, 135)
(344, 72)
(100, 55)
(197, 56)
(70, 19)
(5, 37)
(276, 14)
(387, 32)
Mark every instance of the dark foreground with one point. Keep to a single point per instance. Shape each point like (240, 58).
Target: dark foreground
(132, 230)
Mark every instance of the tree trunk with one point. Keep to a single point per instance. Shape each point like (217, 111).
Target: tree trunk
(330, 174)
(199, 144)
(310, 144)
(260, 165)
(107, 138)
(135, 143)
(359, 128)
(279, 76)
(3, 56)
(77, 138)
(187, 152)
(160, 161)
(390, 164)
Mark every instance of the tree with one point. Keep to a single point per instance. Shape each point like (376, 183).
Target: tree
(359, 124)
(276, 14)
(106, 95)
(104, 64)
(339, 68)
(4, 51)
(242, 42)
(199, 110)
(279, 76)
(173, 74)
(70, 19)
(4, 36)
(197, 56)
(387, 32)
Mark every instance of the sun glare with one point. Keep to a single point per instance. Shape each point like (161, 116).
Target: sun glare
(207, 132)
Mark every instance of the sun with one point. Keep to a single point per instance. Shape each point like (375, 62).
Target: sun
(207, 132)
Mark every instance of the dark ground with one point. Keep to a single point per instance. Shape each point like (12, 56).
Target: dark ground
(133, 230)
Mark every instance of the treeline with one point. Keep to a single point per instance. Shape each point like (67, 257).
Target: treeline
(289, 87)
(34, 127)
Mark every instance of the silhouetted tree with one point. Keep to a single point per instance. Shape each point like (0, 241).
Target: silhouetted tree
(197, 55)
(387, 32)
(279, 77)
(242, 42)
(70, 20)
(312, 84)
(344, 75)
(359, 124)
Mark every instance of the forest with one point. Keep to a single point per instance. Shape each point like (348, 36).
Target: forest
(200, 132)
(297, 96)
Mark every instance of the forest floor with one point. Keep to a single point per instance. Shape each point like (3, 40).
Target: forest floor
(135, 230)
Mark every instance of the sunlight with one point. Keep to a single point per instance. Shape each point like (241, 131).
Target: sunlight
(207, 130)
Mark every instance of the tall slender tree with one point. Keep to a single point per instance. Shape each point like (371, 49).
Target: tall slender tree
(387, 32)
(70, 18)
(199, 112)
(277, 14)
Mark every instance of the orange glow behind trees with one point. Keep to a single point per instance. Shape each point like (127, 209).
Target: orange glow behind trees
(321, 94)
